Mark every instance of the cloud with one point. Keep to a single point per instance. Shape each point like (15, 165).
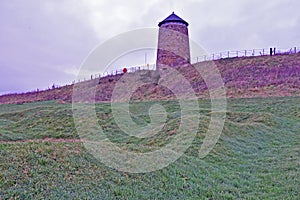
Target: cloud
(38, 43)
(105, 18)
(237, 25)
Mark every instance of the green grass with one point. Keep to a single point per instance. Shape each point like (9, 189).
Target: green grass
(256, 157)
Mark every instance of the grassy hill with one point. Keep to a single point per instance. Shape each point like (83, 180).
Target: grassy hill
(256, 157)
(244, 77)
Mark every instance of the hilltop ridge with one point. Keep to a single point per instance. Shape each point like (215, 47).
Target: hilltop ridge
(244, 77)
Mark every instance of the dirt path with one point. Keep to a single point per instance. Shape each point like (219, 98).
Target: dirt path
(41, 140)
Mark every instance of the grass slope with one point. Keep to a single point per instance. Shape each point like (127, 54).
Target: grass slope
(257, 156)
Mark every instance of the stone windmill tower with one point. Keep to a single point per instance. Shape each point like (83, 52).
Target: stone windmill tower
(173, 43)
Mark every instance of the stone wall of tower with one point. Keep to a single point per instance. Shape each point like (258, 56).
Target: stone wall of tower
(173, 45)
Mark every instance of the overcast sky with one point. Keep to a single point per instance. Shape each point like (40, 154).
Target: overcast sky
(45, 42)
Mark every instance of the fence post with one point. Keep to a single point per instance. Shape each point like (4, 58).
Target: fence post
(228, 54)
(237, 53)
(245, 53)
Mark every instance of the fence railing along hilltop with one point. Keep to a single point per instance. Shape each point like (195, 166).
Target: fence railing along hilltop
(245, 53)
(213, 56)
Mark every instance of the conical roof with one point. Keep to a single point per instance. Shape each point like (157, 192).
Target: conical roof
(173, 18)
